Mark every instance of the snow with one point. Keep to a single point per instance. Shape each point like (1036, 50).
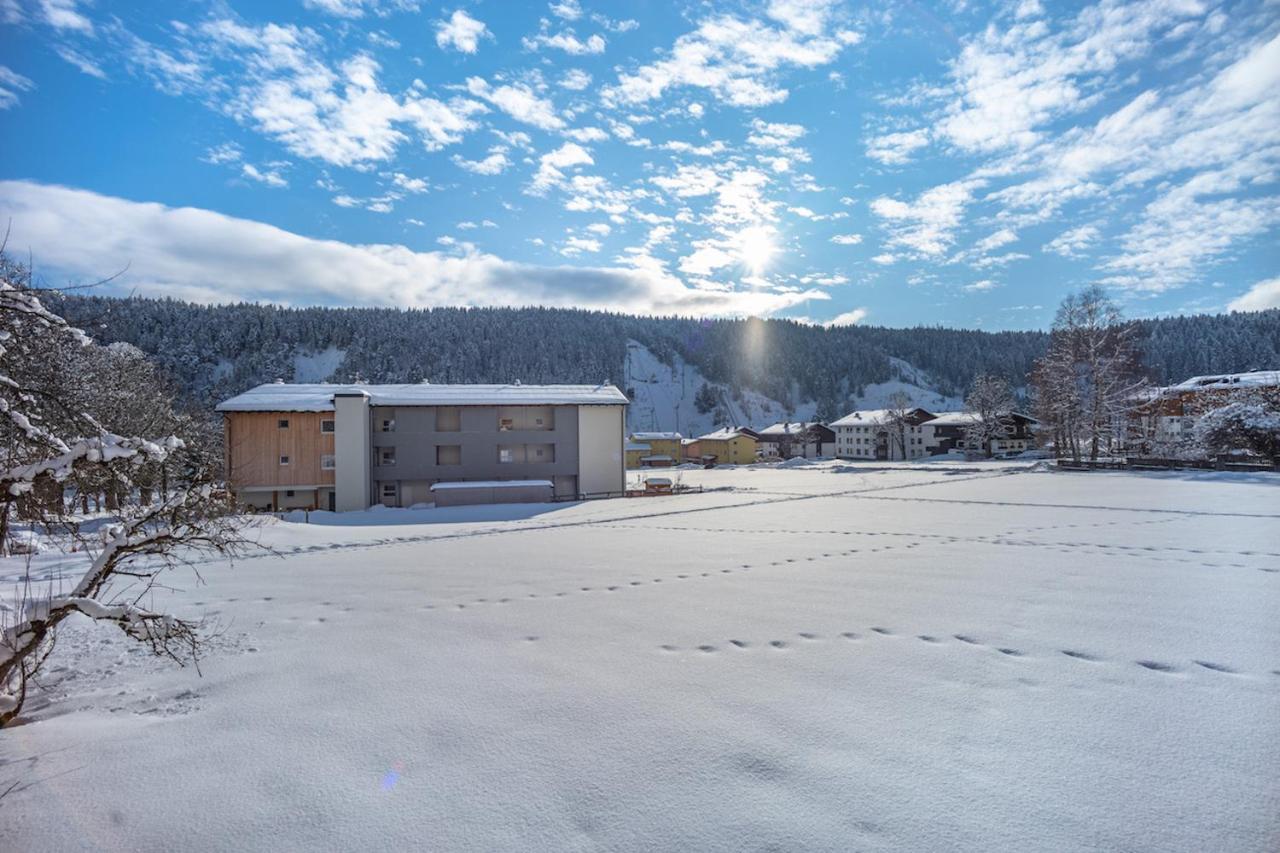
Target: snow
(656, 436)
(960, 656)
(318, 397)
(317, 366)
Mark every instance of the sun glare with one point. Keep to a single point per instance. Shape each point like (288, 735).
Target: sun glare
(756, 248)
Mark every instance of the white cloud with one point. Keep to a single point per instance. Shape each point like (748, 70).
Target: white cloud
(737, 61)
(189, 253)
(62, 15)
(551, 165)
(566, 41)
(1075, 242)
(894, 149)
(408, 184)
(227, 152)
(774, 134)
(342, 117)
(927, 225)
(270, 177)
(461, 32)
(1009, 85)
(518, 101)
(337, 8)
(575, 80)
(980, 286)
(495, 163)
(80, 61)
(578, 245)
(847, 239)
(586, 134)
(569, 10)
(848, 318)
(1260, 297)
(11, 83)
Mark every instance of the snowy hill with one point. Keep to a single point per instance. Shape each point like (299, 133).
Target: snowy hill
(663, 396)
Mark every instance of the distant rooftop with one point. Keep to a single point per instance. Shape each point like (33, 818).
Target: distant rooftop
(318, 397)
(1252, 379)
(656, 436)
(787, 428)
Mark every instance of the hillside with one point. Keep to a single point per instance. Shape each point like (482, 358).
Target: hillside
(760, 371)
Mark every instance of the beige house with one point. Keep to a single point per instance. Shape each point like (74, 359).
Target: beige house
(729, 446)
(347, 447)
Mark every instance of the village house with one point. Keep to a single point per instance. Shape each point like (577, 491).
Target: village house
(635, 451)
(807, 440)
(664, 449)
(948, 431)
(347, 447)
(872, 434)
(726, 446)
(1168, 415)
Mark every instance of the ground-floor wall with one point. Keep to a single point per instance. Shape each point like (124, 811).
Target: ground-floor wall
(267, 499)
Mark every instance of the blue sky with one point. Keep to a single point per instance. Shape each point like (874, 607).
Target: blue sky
(894, 163)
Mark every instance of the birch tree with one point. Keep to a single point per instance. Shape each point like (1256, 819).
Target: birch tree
(991, 401)
(49, 437)
(1089, 381)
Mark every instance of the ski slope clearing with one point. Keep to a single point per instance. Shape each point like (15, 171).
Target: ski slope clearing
(826, 657)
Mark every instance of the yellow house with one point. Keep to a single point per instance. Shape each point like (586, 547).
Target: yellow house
(729, 446)
(636, 451)
(664, 449)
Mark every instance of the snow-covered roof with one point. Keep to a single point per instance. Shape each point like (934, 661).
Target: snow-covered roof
(876, 416)
(953, 419)
(490, 484)
(866, 416)
(318, 397)
(656, 436)
(786, 428)
(1252, 379)
(722, 434)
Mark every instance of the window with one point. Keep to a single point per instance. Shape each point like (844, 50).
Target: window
(506, 424)
(386, 456)
(388, 492)
(327, 462)
(448, 419)
(284, 460)
(506, 454)
(388, 424)
(448, 454)
(283, 423)
(542, 453)
(288, 493)
(326, 424)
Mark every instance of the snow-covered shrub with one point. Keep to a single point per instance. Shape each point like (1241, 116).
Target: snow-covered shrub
(1250, 426)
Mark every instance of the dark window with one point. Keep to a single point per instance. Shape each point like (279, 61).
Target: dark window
(284, 460)
(326, 425)
(283, 423)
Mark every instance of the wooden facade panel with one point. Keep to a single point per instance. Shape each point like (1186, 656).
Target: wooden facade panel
(255, 441)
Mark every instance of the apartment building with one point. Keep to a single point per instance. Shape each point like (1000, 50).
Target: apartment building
(872, 434)
(348, 447)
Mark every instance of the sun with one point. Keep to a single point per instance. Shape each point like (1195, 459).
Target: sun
(756, 248)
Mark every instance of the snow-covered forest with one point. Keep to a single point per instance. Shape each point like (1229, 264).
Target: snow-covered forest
(217, 351)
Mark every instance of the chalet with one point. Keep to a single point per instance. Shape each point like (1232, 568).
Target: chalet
(808, 440)
(947, 432)
(873, 434)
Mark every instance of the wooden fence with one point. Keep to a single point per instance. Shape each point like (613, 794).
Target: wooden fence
(1143, 463)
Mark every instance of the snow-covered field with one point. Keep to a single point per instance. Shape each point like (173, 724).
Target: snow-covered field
(830, 657)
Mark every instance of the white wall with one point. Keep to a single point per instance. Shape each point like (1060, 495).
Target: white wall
(600, 441)
(351, 447)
